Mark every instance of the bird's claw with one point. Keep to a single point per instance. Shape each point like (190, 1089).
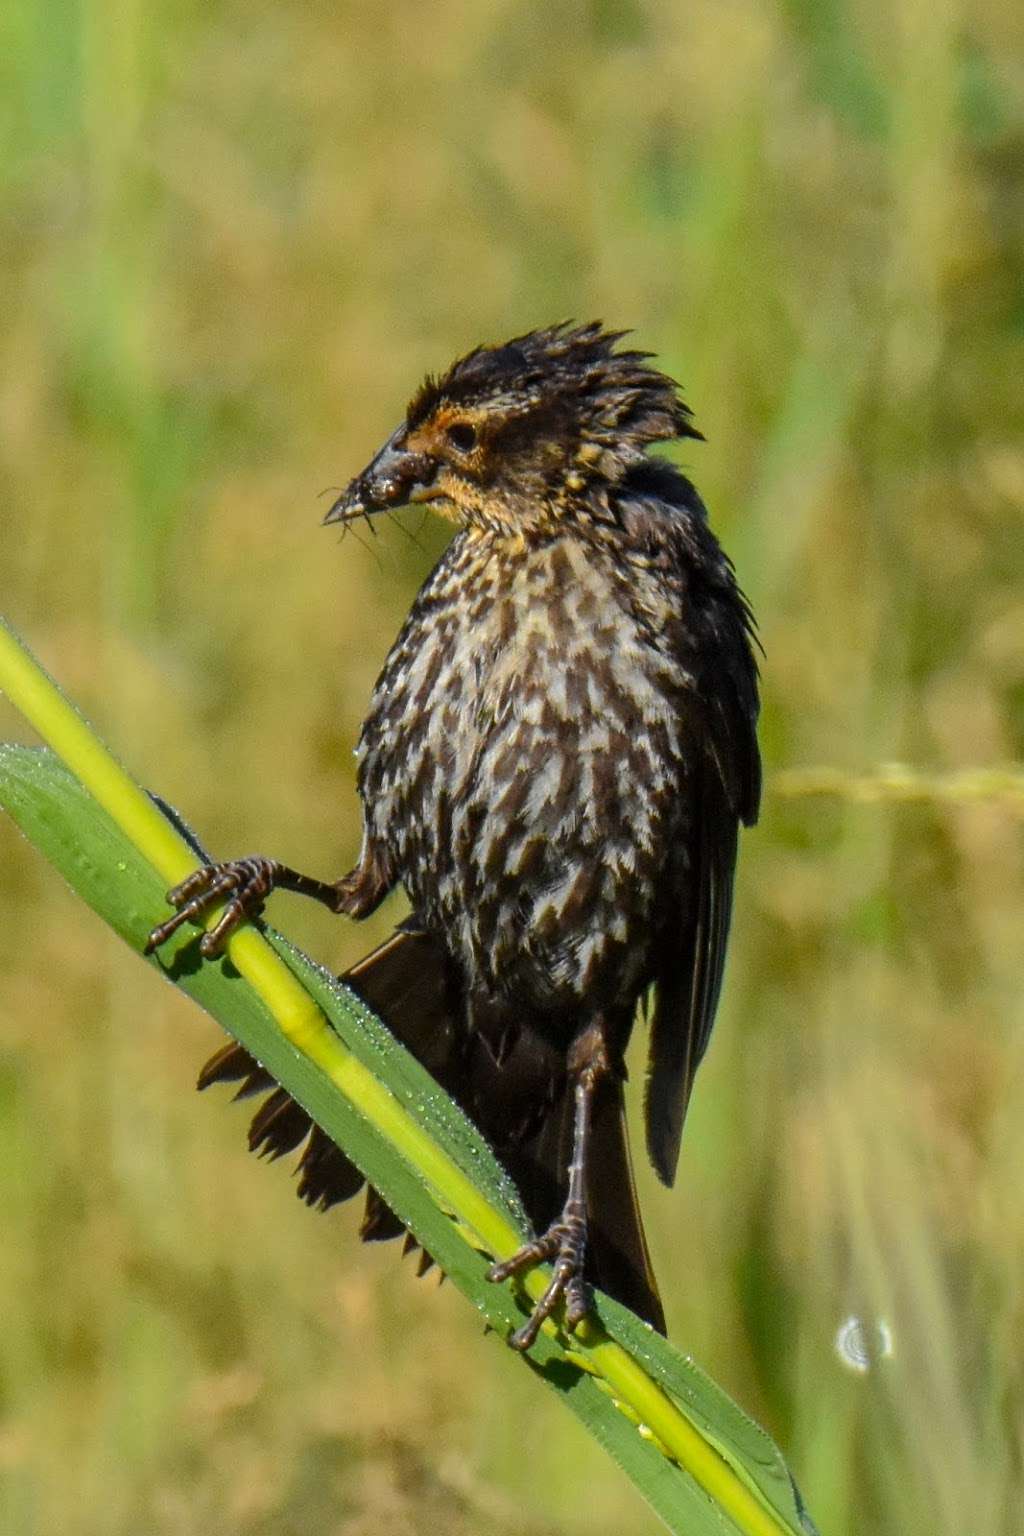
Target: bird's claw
(565, 1242)
(243, 884)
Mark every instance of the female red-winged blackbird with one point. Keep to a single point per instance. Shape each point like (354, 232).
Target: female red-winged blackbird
(557, 757)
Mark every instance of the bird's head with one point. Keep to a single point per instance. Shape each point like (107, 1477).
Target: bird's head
(519, 436)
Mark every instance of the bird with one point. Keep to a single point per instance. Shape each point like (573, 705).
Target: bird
(557, 758)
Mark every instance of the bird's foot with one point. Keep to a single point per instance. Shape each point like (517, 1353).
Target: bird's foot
(565, 1242)
(243, 884)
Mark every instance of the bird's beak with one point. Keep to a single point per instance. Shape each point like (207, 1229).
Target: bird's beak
(395, 476)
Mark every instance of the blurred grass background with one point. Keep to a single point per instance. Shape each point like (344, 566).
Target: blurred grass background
(232, 239)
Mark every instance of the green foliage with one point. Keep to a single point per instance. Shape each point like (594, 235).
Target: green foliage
(233, 240)
(112, 874)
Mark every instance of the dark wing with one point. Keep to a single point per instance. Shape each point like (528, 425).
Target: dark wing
(726, 782)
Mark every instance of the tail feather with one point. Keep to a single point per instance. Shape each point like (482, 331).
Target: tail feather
(379, 1223)
(516, 1092)
(232, 1064)
(278, 1126)
(621, 1258)
(326, 1176)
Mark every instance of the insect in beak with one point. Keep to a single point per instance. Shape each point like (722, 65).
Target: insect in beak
(396, 476)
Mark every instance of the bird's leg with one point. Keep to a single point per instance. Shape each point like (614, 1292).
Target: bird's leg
(565, 1241)
(243, 885)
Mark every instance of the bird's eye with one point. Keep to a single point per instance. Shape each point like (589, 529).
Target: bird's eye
(462, 436)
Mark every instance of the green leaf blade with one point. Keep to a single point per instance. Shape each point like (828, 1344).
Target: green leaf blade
(108, 871)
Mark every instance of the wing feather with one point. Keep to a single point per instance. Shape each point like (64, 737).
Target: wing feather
(726, 787)
(689, 983)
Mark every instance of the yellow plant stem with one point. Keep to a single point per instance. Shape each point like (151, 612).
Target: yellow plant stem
(898, 783)
(39, 699)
